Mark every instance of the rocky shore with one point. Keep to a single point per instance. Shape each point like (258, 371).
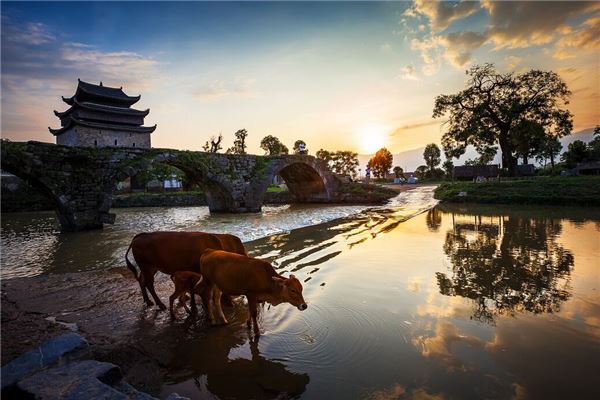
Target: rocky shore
(106, 309)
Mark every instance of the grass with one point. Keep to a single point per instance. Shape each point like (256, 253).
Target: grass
(165, 194)
(580, 191)
(276, 189)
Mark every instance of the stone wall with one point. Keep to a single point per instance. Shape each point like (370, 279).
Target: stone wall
(91, 137)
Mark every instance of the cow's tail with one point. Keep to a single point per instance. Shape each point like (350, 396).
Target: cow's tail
(129, 264)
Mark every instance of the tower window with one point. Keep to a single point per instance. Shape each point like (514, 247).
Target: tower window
(133, 144)
(115, 142)
(95, 143)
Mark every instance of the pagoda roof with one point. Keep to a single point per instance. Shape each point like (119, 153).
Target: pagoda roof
(102, 108)
(86, 90)
(127, 128)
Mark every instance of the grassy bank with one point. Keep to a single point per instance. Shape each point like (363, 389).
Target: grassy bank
(581, 191)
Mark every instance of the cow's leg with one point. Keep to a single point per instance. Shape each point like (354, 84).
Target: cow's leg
(217, 299)
(253, 312)
(207, 295)
(194, 310)
(142, 283)
(149, 281)
(183, 303)
(171, 300)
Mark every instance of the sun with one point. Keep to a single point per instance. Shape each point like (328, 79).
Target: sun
(371, 138)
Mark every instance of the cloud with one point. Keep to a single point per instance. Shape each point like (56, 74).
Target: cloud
(523, 24)
(442, 13)
(513, 61)
(408, 127)
(460, 45)
(221, 88)
(588, 37)
(408, 73)
(32, 33)
(510, 25)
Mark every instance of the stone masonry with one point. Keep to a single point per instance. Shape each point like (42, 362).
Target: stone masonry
(81, 181)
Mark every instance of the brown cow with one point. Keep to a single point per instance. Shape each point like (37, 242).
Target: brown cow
(185, 281)
(169, 252)
(235, 274)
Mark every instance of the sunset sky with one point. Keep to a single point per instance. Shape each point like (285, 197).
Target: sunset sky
(338, 75)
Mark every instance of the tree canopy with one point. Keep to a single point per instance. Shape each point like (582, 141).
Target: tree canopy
(239, 144)
(297, 149)
(342, 162)
(381, 163)
(273, 146)
(432, 156)
(486, 113)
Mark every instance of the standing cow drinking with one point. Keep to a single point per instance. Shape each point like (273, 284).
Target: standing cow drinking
(169, 252)
(235, 274)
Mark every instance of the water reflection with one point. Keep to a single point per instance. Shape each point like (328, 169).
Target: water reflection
(228, 364)
(506, 263)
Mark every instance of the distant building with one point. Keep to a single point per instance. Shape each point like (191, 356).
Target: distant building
(101, 116)
(464, 172)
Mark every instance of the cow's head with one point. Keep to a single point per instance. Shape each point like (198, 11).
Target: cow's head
(291, 291)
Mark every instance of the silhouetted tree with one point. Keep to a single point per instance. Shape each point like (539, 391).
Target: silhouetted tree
(448, 166)
(341, 162)
(398, 171)
(273, 146)
(239, 144)
(432, 156)
(214, 144)
(421, 172)
(549, 149)
(381, 163)
(576, 152)
(493, 104)
(527, 138)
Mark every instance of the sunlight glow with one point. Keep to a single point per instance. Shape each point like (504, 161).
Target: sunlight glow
(371, 138)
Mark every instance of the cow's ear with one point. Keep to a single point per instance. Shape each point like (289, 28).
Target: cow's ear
(292, 276)
(279, 280)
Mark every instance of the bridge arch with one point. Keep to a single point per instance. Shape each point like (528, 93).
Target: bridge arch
(307, 178)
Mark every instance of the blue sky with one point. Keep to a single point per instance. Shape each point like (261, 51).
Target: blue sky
(338, 75)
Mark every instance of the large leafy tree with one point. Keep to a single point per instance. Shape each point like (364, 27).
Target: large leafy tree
(549, 149)
(239, 144)
(398, 171)
(486, 113)
(381, 162)
(432, 156)
(342, 162)
(577, 152)
(273, 146)
(528, 138)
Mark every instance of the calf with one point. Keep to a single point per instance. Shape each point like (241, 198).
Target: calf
(185, 281)
(235, 274)
(169, 252)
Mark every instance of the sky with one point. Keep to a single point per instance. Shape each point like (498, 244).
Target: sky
(338, 75)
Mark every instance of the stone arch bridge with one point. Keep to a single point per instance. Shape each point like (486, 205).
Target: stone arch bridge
(81, 181)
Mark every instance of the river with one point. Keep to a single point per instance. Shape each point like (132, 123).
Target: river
(405, 301)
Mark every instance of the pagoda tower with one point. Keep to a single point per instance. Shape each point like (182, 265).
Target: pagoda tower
(101, 116)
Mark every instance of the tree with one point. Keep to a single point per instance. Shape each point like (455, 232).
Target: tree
(486, 113)
(594, 145)
(213, 145)
(527, 138)
(239, 144)
(448, 166)
(421, 172)
(549, 149)
(341, 162)
(398, 171)
(432, 156)
(273, 146)
(485, 157)
(296, 148)
(381, 163)
(576, 152)
(345, 162)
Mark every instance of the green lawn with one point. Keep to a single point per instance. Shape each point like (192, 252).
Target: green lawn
(276, 189)
(582, 191)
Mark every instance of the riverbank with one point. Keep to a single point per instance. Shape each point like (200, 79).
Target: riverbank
(572, 191)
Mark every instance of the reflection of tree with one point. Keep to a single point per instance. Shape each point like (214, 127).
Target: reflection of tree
(434, 219)
(510, 265)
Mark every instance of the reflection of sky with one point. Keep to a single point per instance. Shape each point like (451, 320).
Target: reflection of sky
(329, 73)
